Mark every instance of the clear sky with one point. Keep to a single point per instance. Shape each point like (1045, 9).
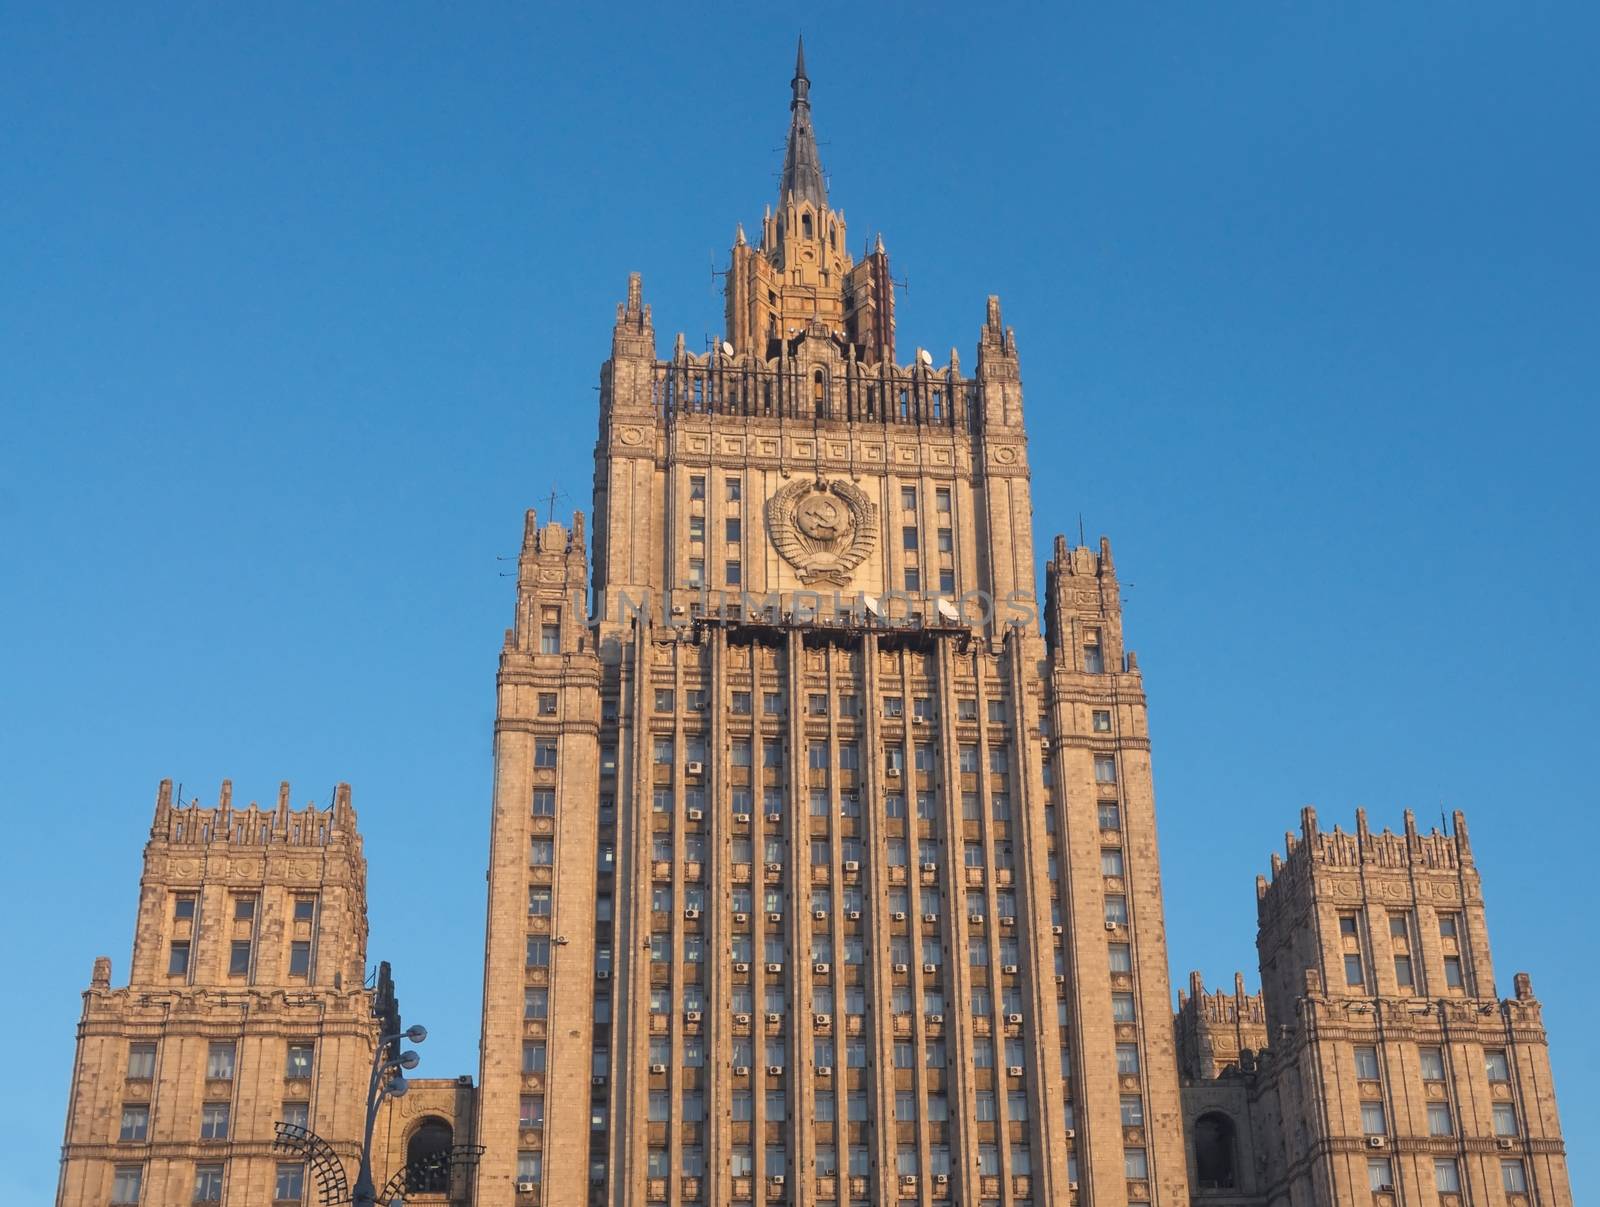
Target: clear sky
(301, 305)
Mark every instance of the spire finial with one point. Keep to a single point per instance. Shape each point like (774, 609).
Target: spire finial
(802, 166)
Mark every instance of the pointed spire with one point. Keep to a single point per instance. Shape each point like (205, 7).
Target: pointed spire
(802, 166)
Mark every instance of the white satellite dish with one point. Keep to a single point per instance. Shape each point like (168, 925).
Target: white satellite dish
(925, 356)
(948, 610)
(727, 348)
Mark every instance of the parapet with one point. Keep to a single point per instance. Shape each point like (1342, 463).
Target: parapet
(311, 826)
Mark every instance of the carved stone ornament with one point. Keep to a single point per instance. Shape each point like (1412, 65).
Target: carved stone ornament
(823, 529)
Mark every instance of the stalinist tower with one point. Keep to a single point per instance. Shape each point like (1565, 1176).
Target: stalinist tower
(823, 864)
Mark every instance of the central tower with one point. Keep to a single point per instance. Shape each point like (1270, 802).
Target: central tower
(823, 861)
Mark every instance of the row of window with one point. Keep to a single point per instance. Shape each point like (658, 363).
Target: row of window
(289, 1184)
(733, 492)
(1400, 936)
(220, 1060)
(1430, 1063)
(846, 704)
(241, 957)
(185, 905)
(1447, 1175)
(1374, 1119)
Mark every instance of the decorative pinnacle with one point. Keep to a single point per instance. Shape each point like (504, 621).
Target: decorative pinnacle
(802, 166)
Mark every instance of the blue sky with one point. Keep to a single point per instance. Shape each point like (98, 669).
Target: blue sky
(300, 306)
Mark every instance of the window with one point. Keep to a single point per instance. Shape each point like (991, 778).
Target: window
(539, 901)
(1128, 1059)
(1513, 1177)
(1105, 768)
(1102, 720)
(533, 1057)
(183, 907)
(913, 579)
(141, 1061)
(1135, 1164)
(1452, 972)
(244, 908)
(1367, 1064)
(1111, 861)
(1122, 1008)
(239, 951)
(126, 1184)
(1380, 1174)
(1439, 1119)
(542, 852)
(1110, 815)
(697, 486)
(219, 1062)
(208, 1184)
(1449, 927)
(1446, 1175)
(135, 1122)
(1117, 909)
(740, 704)
(908, 538)
(305, 909)
(1017, 1105)
(986, 1112)
(538, 951)
(908, 498)
(549, 637)
(290, 1184)
(297, 1061)
(214, 1121)
(732, 491)
(544, 802)
(1352, 970)
(772, 703)
(697, 571)
(296, 1114)
(300, 958)
(1505, 1119)
(178, 958)
(1373, 1121)
(544, 752)
(1402, 971)
(731, 529)
(1495, 1066)
(733, 573)
(1430, 1061)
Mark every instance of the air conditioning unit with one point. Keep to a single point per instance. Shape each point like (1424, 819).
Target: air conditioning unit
(1072, 1134)
(774, 1017)
(691, 1016)
(822, 969)
(777, 1179)
(526, 1185)
(741, 966)
(697, 814)
(899, 915)
(1072, 1187)
(824, 1070)
(908, 1181)
(1008, 920)
(741, 819)
(1377, 1142)
(919, 720)
(853, 916)
(774, 818)
(1055, 930)
(773, 915)
(941, 1179)
(742, 1020)
(821, 915)
(975, 919)
(892, 773)
(936, 1019)
(1111, 926)
(603, 974)
(678, 609)
(774, 1070)
(852, 865)
(823, 1020)
(548, 708)
(930, 867)
(741, 917)
(930, 969)
(774, 966)
(695, 768)
(1061, 978)
(930, 917)
(598, 1079)
(1013, 1070)
(1503, 1142)
(691, 913)
(774, 867)
(658, 1068)
(1009, 969)
(902, 968)
(1014, 1019)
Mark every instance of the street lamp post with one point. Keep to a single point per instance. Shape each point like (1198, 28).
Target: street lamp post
(387, 1081)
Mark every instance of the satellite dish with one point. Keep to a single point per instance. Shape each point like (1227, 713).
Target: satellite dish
(925, 356)
(727, 348)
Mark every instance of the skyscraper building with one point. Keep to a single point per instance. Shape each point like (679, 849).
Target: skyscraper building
(824, 858)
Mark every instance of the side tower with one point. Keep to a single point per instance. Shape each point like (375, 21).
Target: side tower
(1396, 1074)
(244, 1006)
(820, 878)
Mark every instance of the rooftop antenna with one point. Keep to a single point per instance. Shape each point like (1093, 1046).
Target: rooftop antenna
(1081, 540)
(555, 493)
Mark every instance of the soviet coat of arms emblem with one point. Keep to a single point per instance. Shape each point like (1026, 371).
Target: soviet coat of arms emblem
(823, 529)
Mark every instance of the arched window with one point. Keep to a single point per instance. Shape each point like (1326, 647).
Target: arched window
(805, 225)
(819, 393)
(1214, 1151)
(428, 1157)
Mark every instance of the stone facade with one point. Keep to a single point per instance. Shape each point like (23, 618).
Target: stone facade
(823, 856)
(245, 1006)
(1378, 1063)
